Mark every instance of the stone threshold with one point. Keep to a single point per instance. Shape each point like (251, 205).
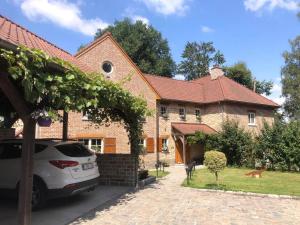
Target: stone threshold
(242, 193)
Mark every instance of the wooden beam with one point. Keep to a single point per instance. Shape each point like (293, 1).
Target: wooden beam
(65, 126)
(25, 187)
(13, 95)
(184, 149)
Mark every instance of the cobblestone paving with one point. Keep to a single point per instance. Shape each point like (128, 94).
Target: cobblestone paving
(167, 203)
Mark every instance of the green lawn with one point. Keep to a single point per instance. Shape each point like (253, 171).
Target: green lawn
(233, 179)
(160, 173)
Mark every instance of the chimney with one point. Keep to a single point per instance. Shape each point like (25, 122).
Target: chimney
(216, 72)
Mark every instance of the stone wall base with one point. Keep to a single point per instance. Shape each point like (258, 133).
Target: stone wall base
(117, 169)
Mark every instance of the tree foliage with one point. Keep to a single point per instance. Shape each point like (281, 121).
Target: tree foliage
(240, 73)
(279, 145)
(145, 46)
(52, 84)
(291, 80)
(197, 58)
(215, 162)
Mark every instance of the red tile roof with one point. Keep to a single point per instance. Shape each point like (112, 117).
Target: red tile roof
(16, 35)
(205, 90)
(179, 90)
(191, 128)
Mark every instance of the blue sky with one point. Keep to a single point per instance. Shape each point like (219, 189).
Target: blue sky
(254, 31)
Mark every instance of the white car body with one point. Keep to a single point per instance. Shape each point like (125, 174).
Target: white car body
(63, 174)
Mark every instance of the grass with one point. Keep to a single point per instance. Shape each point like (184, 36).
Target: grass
(160, 173)
(234, 179)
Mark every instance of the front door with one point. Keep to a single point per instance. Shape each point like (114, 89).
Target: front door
(178, 152)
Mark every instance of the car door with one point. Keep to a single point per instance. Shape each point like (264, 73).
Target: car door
(10, 164)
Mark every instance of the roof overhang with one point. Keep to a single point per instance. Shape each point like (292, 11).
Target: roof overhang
(191, 128)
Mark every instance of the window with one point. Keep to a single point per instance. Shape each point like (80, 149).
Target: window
(251, 118)
(93, 143)
(73, 150)
(86, 116)
(182, 113)
(107, 67)
(142, 142)
(198, 114)
(163, 111)
(165, 143)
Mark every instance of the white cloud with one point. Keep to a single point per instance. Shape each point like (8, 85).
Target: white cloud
(276, 92)
(256, 5)
(206, 29)
(141, 18)
(167, 7)
(62, 13)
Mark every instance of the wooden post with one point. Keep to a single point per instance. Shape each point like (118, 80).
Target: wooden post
(65, 126)
(184, 149)
(25, 187)
(157, 134)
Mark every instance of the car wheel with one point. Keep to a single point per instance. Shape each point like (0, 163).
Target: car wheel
(38, 199)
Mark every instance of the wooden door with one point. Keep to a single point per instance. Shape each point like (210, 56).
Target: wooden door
(178, 152)
(110, 145)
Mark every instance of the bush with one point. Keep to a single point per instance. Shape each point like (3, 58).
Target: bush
(237, 144)
(279, 145)
(215, 162)
(143, 174)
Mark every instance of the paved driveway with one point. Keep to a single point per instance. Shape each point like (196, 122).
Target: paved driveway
(168, 203)
(63, 211)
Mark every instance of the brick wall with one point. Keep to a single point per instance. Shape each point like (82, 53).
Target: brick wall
(117, 169)
(7, 133)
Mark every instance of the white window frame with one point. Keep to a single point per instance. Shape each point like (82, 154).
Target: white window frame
(165, 115)
(165, 143)
(85, 116)
(144, 142)
(89, 146)
(198, 117)
(251, 119)
(182, 116)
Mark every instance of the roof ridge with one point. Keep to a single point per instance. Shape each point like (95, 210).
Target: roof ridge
(170, 78)
(221, 86)
(28, 31)
(243, 86)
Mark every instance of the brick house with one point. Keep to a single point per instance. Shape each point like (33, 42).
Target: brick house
(180, 107)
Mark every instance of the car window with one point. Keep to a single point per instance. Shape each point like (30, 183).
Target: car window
(74, 150)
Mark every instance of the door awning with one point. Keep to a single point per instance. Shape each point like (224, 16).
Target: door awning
(191, 128)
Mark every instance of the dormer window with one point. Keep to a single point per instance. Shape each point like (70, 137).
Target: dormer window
(107, 67)
(182, 113)
(251, 119)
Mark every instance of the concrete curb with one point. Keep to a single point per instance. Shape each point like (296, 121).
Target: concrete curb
(242, 193)
(148, 180)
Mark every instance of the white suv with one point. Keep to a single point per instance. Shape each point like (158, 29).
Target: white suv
(60, 169)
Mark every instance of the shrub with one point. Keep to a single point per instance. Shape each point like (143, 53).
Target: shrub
(279, 145)
(143, 174)
(237, 144)
(215, 162)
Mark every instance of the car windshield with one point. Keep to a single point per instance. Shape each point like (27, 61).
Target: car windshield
(74, 150)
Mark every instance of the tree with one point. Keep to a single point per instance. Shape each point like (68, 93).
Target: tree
(215, 162)
(240, 73)
(145, 46)
(291, 80)
(197, 58)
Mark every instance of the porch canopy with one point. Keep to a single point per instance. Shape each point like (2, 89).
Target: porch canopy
(191, 128)
(181, 130)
